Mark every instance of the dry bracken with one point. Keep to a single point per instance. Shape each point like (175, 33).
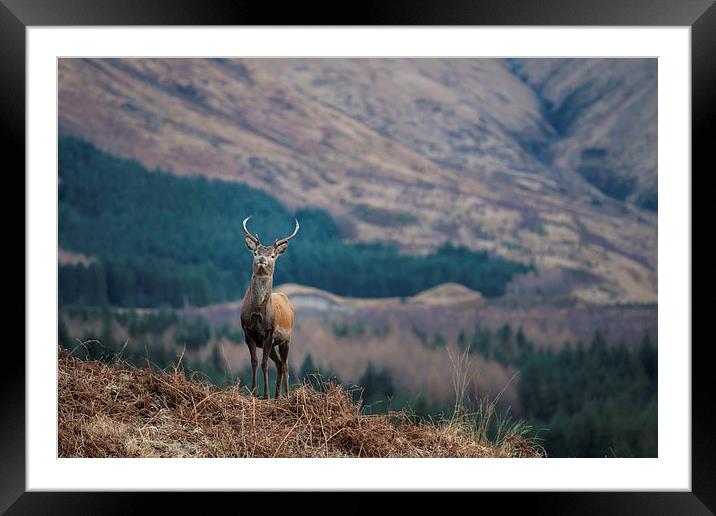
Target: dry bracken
(124, 411)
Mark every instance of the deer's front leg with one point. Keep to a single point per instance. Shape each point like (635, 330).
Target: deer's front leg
(254, 362)
(268, 346)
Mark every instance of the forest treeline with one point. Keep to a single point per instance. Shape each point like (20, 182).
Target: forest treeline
(596, 399)
(162, 240)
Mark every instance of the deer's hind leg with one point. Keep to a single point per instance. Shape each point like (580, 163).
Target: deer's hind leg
(283, 353)
(279, 370)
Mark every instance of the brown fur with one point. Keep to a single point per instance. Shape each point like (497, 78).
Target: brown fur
(282, 313)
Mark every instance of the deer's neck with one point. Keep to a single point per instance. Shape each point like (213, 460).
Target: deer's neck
(260, 290)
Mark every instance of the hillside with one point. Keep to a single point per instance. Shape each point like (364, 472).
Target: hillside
(542, 162)
(123, 411)
(605, 117)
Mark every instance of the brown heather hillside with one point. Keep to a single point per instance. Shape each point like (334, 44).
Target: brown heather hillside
(507, 156)
(600, 104)
(412, 337)
(123, 411)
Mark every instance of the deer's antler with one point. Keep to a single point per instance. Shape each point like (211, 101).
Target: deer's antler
(283, 240)
(248, 234)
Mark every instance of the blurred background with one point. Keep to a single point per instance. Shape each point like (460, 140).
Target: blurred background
(500, 209)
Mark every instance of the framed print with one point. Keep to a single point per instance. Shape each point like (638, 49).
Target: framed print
(441, 249)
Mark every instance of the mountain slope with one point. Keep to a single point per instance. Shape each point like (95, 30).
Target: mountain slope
(605, 115)
(415, 152)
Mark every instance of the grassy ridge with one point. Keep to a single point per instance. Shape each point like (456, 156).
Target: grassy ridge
(164, 240)
(124, 411)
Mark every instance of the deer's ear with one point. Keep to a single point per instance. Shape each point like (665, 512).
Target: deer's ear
(281, 248)
(251, 244)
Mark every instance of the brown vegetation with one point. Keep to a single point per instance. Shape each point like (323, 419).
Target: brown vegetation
(124, 411)
(402, 333)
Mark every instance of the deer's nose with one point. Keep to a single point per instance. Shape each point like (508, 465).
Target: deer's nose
(261, 260)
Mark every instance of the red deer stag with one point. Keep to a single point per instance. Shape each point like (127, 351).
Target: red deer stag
(267, 317)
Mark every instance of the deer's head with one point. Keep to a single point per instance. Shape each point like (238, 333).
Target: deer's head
(265, 255)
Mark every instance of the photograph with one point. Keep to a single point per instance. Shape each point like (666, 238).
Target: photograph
(357, 257)
(420, 248)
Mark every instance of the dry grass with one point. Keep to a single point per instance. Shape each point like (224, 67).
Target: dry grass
(485, 423)
(125, 411)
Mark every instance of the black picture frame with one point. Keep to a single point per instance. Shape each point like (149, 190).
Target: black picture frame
(17, 15)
